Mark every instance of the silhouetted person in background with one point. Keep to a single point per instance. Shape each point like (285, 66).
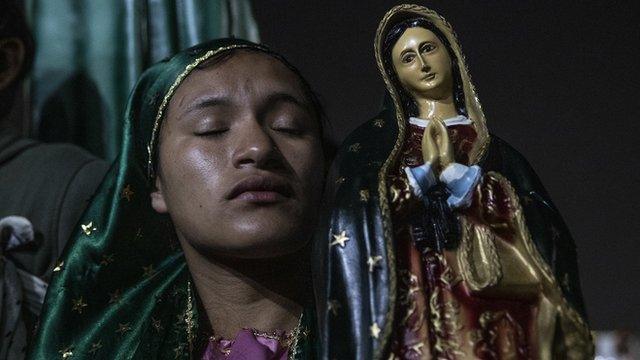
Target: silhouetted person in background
(44, 189)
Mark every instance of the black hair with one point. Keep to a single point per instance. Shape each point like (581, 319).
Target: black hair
(14, 25)
(408, 103)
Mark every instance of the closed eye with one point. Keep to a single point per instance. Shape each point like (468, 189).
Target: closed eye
(212, 133)
(290, 131)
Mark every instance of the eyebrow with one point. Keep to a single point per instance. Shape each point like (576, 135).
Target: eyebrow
(278, 97)
(206, 102)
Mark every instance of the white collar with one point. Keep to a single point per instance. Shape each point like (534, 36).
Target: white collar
(456, 120)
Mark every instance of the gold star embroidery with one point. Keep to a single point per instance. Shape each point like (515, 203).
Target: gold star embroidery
(88, 229)
(138, 234)
(114, 296)
(340, 239)
(374, 329)
(417, 348)
(156, 324)
(364, 195)
(78, 305)
(58, 267)
(148, 271)
(95, 347)
(378, 123)
(106, 259)
(66, 352)
(373, 262)
(127, 193)
(123, 328)
(340, 180)
(333, 306)
(355, 147)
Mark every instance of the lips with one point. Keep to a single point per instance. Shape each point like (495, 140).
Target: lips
(261, 189)
(429, 76)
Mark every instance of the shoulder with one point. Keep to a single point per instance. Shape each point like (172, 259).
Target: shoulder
(507, 160)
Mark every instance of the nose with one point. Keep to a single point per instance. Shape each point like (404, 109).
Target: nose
(424, 65)
(256, 148)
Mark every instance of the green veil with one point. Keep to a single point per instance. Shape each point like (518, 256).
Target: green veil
(122, 289)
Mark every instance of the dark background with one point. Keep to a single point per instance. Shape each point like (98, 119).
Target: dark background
(557, 80)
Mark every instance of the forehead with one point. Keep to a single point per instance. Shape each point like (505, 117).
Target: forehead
(414, 37)
(245, 74)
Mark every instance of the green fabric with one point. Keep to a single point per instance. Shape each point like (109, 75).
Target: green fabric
(89, 55)
(125, 248)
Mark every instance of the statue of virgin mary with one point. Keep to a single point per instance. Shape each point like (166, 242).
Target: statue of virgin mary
(440, 241)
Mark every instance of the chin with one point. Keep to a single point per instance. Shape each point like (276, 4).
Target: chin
(266, 237)
(264, 247)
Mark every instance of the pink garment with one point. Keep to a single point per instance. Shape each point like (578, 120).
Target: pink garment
(247, 345)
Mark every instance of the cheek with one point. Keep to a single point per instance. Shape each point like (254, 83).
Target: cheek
(306, 159)
(444, 64)
(192, 168)
(410, 75)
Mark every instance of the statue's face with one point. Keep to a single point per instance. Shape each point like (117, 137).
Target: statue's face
(423, 64)
(241, 163)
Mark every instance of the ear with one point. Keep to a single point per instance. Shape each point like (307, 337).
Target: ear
(11, 60)
(157, 197)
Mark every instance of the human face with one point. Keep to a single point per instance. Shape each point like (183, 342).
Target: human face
(240, 160)
(423, 64)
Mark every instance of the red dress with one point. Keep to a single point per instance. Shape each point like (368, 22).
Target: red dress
(455, 304)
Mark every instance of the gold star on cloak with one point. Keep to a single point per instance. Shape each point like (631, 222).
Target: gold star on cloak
(355, 147)
(123, 328)
(340, 180)
(373, 262)
(88, 229)
(127, 193)
(138, 234)
(147, 271)
(333, 306)
(95, 347)
(378, 123)
(374, 329)
(340, 239)
(66, 352)
(157, 324)
(58, 267)
(78, 305)
(364, 195)
(114, 296)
